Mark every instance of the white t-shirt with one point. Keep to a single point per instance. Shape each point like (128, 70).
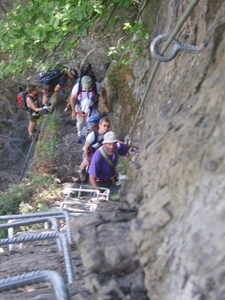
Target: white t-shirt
(91, 137)
(86, 101)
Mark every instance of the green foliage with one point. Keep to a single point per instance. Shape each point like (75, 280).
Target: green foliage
(115, 197)
(38, 182)
(34, 33)
(42, 207)
(32, 195)
(10, 200)
(54, 122)
(46, 150)
(16, 199)
(117, 76)
(123, 166)
(139, 33)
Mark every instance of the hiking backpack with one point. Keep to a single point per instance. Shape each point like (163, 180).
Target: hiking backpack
(47, 77)
(94, 97)
(88, 72)
(21, 99)
(91, 125)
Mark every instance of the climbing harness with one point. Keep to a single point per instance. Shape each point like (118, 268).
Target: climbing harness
(177, 46)
(113, 179)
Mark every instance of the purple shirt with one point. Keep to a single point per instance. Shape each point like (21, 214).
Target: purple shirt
(100, 168)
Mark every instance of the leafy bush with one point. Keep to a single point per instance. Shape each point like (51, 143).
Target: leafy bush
(33, 195)
(10, 200)
(33, 34)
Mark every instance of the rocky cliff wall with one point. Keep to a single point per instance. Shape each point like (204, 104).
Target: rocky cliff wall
(179, 180)
(172, 247)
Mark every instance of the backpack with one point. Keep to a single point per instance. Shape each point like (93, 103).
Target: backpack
(91, 125)
(88, 72)
(94, 97)
(47, 77)
(21, 100)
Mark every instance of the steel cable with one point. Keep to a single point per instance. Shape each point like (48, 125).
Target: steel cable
(177, 28)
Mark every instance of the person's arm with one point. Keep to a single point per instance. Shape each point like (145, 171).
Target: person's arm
(31, 104)
(94, 182)
(73, 99)
(104, 98)
(86, 156)
(58, 88)
(124, 148)
(72, 102)
(72, 81)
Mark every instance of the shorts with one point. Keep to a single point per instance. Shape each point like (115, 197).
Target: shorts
(32, 118)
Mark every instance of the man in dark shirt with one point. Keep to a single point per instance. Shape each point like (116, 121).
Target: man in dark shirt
(64, 81)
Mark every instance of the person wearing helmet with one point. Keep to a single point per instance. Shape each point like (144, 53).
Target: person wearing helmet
(64, 81)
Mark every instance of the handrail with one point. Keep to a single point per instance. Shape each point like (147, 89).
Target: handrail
(35, 277)
(56, 214)
(46, 236)
(177, 28)
(12, 223)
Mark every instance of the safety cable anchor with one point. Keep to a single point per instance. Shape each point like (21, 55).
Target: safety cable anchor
(133, 151)
(177, 46)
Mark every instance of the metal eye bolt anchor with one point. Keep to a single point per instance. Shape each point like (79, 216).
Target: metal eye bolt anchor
(178, 46)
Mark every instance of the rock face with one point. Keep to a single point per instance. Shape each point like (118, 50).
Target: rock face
(179, 178)
(167, 242)
(177, 185)
(110, 255)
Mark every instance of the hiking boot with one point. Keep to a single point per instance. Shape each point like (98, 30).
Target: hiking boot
(83, 175)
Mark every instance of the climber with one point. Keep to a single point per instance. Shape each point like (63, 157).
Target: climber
(33, 111)
(102, 170)
(55, 82)
(84, 100)
(93, 141)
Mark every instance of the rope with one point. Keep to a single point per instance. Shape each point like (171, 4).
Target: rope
(9, 140)
(30, 149)
(177, 28)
